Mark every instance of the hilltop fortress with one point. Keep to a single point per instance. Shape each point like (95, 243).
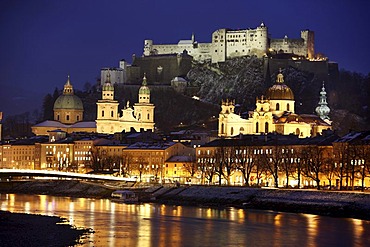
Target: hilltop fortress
(227, 43)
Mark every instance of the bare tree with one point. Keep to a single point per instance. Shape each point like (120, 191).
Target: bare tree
(287, 166)
(244, 161)
(271, 159)
(206, 168)
(191, 167)
(126, 165)
(313, 160)
(96, 159)
(224, 164)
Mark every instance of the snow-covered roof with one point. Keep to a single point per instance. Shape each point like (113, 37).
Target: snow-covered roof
(51, 123)
(157, 146)
(185, 42)
(180, 158)
(84, 125)
(56, 124)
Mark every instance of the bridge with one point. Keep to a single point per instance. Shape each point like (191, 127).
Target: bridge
(59, 174)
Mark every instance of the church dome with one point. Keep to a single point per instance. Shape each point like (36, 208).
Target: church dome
(280, 91)
(144, 89)
(68, 100)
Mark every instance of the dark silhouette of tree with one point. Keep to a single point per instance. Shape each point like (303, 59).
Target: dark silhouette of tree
(313, 157)
(245, 161)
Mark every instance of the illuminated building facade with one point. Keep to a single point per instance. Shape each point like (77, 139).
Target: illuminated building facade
(273, 113)
(227, 43)
(140, 117)
(68, 115)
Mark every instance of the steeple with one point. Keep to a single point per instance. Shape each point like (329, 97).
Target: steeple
(280, 77)
(144, 92)
(108, 89)
(323, 109)
(68, 88)
(144, 80)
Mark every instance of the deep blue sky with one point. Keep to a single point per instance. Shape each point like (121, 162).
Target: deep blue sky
(41, 42)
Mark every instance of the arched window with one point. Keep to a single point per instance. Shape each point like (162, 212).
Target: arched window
(148, 116)
(111, 113)
(102, 113)
(78, 118)
(297, 132)
(67, 117)
(257, 127)
(288, 107)
(232, 131)
(222, 128)
(277, 106)
(241, 129)
(266, 127)
(58, 117)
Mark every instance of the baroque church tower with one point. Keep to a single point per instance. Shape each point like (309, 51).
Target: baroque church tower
(139, 117)
(144, 110)
(107, 108)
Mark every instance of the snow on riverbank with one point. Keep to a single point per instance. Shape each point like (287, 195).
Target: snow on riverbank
(339, 204)
(331, 203)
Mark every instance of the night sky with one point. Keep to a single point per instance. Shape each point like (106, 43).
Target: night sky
(41, 42)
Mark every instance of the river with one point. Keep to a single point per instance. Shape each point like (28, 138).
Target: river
(145, 225)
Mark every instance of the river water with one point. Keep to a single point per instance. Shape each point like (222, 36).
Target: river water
(145, 225)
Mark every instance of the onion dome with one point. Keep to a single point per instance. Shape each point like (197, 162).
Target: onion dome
(280, 91)
(323, 109)
(108, 85)
(144, 89)
(68, 100)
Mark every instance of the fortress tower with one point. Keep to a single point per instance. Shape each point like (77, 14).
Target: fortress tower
(309, 42)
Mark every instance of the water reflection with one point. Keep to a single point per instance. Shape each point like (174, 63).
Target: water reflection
(163, 225)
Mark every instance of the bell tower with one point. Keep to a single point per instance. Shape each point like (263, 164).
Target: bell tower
(144, 110)
(107, 109)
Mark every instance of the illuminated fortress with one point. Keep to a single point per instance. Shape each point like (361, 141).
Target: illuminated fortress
(227, 43)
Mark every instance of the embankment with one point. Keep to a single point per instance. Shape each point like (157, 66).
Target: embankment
(330, 203)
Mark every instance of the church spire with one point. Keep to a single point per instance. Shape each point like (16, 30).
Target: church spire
(280, 77)
(323, 109)
(68, 88)
(144, 80)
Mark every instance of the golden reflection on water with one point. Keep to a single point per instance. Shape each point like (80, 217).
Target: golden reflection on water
(358, 230)
(312, 227)
(117, 224)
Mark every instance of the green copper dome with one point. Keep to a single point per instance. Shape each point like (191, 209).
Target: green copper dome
(68, 100)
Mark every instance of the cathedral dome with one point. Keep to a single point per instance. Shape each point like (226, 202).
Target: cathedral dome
(68, 100)
(280, 91)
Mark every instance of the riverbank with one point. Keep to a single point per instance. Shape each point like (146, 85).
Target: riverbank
(329, 203)
(18, 229)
